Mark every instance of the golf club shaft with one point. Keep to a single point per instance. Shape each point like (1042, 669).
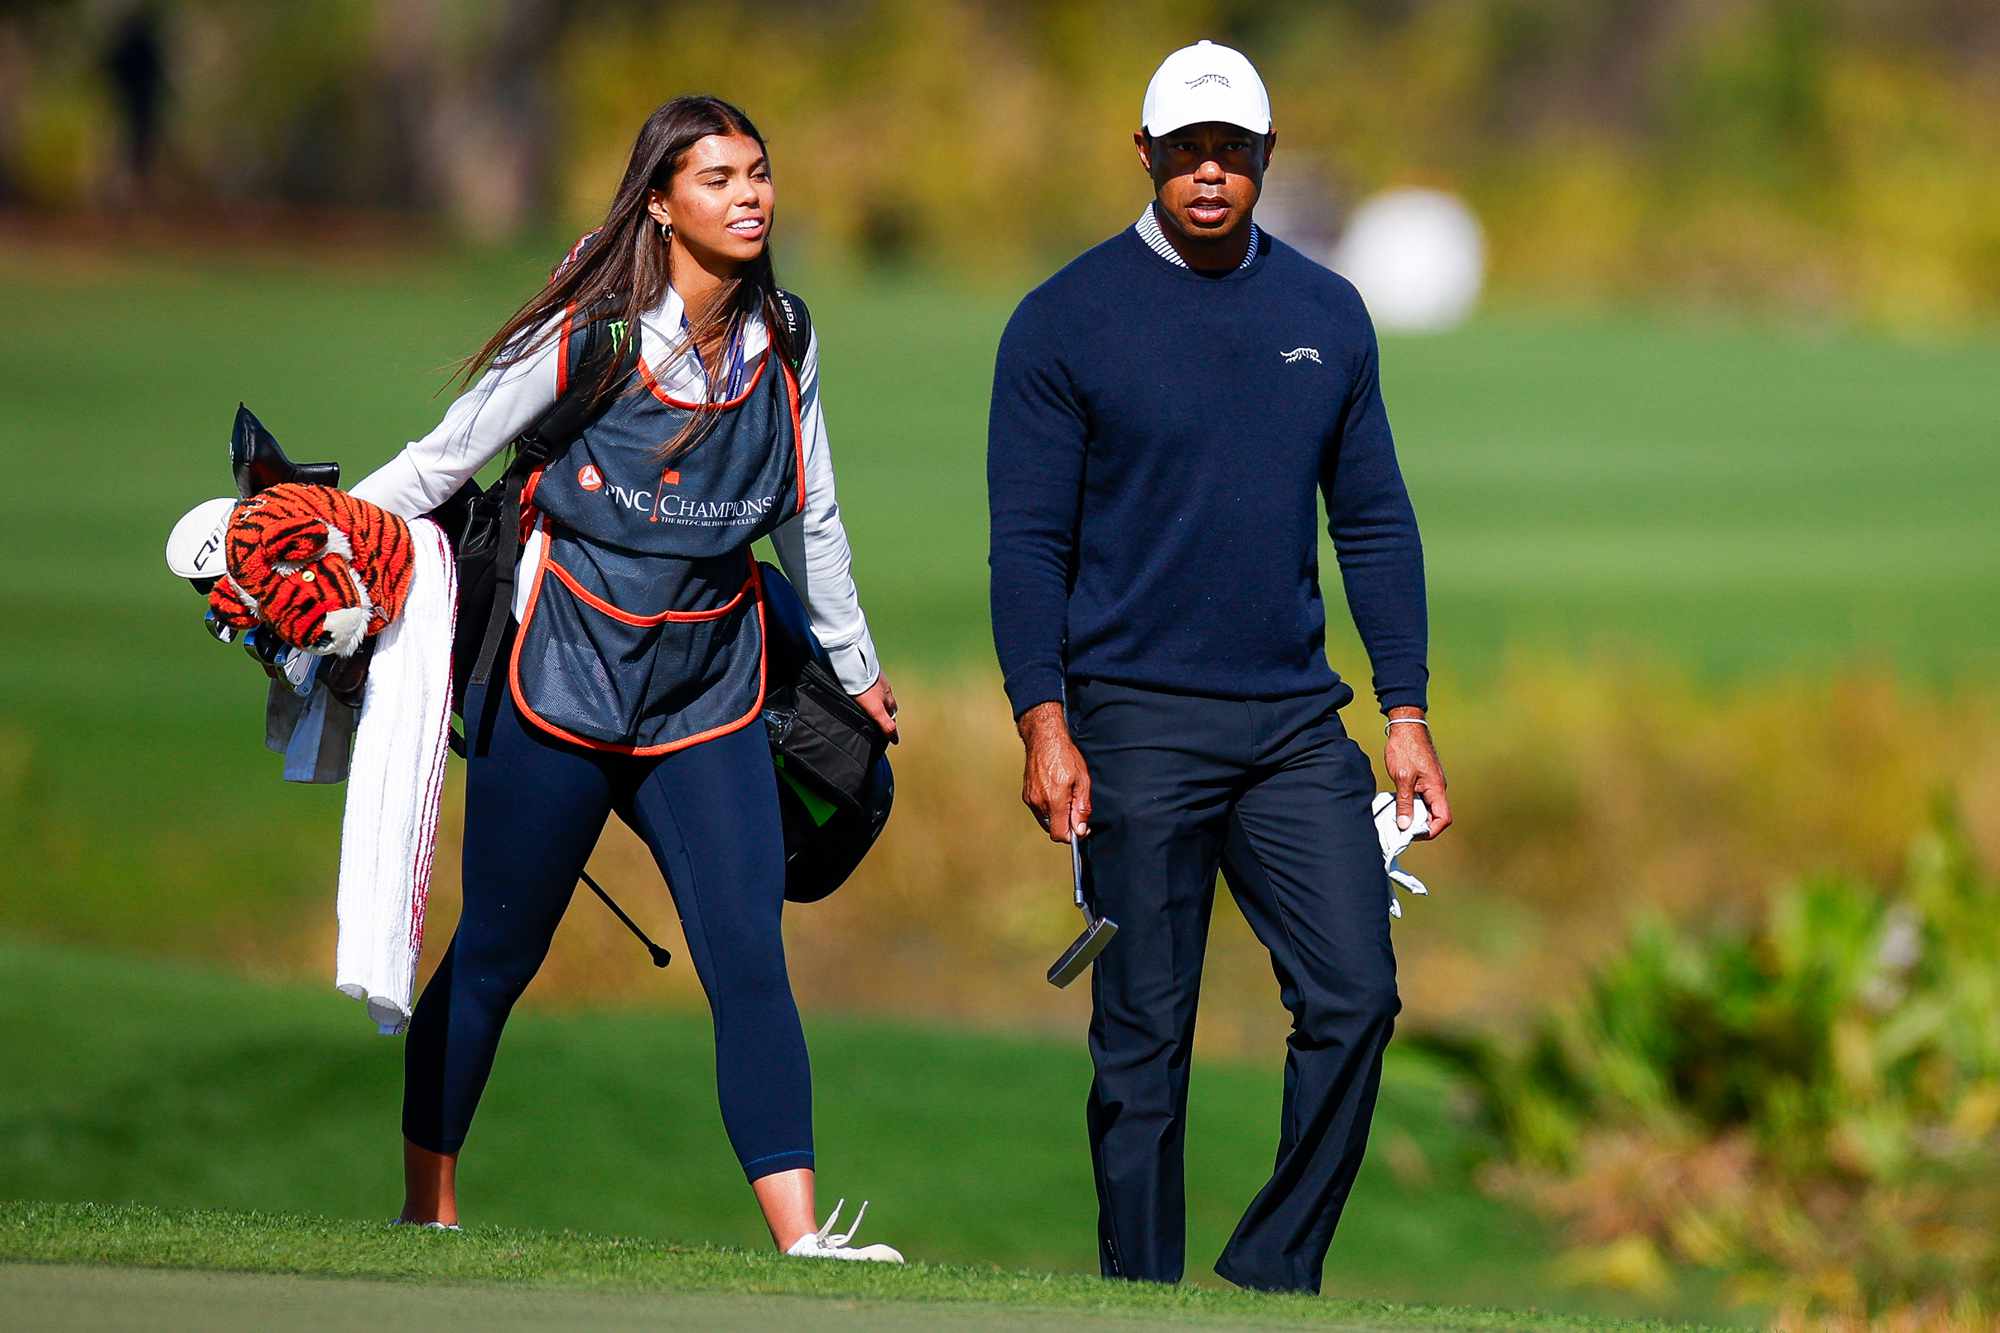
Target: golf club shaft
(660, 956)
(1075, 849)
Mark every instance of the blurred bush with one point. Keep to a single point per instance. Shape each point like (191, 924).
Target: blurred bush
(1809, 1097)
(1818, 155)
(1589, 794)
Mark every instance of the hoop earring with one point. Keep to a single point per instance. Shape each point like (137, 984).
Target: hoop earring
(666, 233)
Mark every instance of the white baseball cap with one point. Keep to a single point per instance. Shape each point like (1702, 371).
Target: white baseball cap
(1205, 82)
(194, 548)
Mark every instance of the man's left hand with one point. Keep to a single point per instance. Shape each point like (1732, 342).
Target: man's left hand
(1412, 761)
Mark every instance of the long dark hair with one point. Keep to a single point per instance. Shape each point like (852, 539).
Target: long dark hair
(620, 272)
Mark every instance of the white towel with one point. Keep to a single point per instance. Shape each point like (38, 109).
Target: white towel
(1396, 841)
(388, 837)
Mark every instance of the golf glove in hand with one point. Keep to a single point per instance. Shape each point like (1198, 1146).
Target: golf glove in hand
(1396, 841)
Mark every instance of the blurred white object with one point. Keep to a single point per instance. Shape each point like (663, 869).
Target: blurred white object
(1418, 257)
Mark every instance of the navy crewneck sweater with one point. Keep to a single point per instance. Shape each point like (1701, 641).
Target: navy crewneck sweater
(1157, 440)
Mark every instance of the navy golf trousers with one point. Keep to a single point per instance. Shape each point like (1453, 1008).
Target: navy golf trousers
(534, 807)
(1275, 794)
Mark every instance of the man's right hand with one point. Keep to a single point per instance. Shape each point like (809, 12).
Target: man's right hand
(1055, 784)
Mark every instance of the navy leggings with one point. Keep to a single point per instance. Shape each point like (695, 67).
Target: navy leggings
(533, 809)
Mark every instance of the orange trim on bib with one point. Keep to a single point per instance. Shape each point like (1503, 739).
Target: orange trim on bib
(646, 377)
(755, 584)
(798, 435)
(596, 603)
(529, 515)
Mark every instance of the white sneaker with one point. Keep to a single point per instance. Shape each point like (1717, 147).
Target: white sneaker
(823, 1245)
(426, 1226)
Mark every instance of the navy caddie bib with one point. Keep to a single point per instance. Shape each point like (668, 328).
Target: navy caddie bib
(644, 628)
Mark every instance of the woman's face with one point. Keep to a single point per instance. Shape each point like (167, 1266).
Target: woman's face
(719, 202)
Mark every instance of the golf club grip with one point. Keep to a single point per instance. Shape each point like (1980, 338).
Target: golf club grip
(1076, 865)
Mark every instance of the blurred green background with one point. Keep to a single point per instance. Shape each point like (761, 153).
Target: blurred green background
(1707, 487)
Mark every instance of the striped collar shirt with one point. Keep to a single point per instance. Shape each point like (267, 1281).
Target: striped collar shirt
(1148, 227)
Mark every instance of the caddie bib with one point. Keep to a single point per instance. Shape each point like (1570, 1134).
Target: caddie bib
(644, 628)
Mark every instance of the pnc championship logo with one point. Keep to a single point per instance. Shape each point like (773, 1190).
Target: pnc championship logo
(666, 505)
(1209, 78)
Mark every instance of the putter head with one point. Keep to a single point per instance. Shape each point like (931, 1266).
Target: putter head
(1080, 955)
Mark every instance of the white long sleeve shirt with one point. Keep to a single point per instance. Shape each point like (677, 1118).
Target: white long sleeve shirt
(812, 547)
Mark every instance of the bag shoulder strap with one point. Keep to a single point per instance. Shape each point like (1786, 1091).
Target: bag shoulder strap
(604, 339)
(799, 327)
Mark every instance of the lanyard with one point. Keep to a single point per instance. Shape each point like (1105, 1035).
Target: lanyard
(732, 359)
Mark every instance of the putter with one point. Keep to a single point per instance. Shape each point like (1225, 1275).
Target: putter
(1097, 930)
(660, 956)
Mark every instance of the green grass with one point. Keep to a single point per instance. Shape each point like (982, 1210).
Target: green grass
(1738, 499)
(145, 1082)
(569, 1279)
(1737, 495)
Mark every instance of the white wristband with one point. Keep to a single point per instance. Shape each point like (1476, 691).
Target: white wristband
(1417, 721)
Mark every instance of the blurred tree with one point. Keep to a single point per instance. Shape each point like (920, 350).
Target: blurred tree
(136, 63)
(1836, 155)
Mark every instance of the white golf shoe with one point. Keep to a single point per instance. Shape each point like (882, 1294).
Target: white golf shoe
(824, 1244)
(425, 1226)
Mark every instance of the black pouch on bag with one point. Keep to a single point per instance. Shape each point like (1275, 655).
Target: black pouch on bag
(827, 740)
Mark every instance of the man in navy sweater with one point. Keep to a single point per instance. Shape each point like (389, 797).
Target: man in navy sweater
(1165, 411)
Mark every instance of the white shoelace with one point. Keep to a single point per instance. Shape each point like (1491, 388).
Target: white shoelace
(826, 1243)
(839, 1242)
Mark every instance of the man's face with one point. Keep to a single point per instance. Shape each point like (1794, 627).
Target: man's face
(1207, 176)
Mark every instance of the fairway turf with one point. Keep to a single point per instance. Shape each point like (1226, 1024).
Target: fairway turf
(612, 1280)
(1734, 496)
(141, 1082)
(1728, 498)
(1725, 498)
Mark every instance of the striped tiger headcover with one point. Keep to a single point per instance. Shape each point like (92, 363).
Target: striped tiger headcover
(321, 568)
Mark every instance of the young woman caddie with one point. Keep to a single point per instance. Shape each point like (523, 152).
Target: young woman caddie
(633, 678)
